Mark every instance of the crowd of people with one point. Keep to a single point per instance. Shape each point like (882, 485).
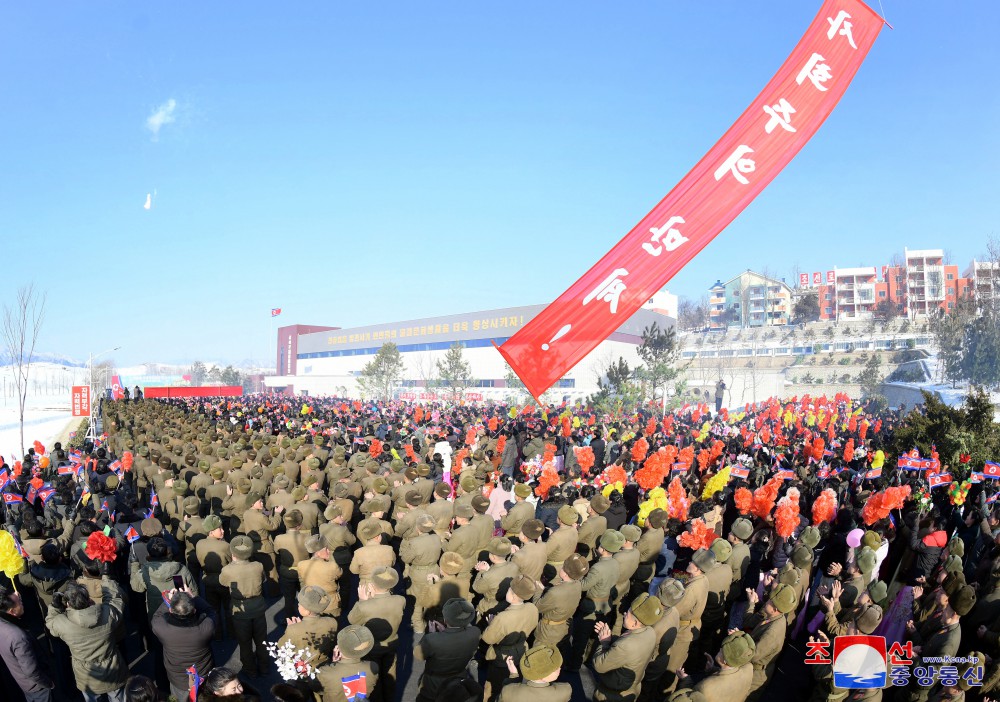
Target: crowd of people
(686, 556)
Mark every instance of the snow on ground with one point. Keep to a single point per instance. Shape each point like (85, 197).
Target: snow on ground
(47, 415)
(952, 396)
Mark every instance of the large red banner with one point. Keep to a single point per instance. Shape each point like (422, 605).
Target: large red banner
(80, 400)
(748, 157)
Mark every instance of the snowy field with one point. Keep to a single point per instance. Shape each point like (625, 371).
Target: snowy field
(47, 415)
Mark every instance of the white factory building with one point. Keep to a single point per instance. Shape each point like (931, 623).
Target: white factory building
(321, 360)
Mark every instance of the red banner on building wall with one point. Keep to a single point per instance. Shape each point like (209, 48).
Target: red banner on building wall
(206, 391)
(80, 400)
(762, 141)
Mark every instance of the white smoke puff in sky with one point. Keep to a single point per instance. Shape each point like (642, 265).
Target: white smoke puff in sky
(164, 114)
(149, 201)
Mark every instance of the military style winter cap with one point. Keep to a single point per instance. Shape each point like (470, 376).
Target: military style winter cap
(458, 611)
(369, 529)
(783, 598)
(567, 515)
(647, 609)
(576, 566)
(868, 619)
(332, 511)
(704, 559)
(956, 547)
(442, 490)
(789, 575)
(316, 543)
(722, 550)
(241, 547)
(802, 556)
(810, 537)
(688, 694)
(111, 482)
(355, 641)
(742, 529)
(866, 560)
(499, 546)
(878, 591)
(953, 564)
(480, 503)
(292, 519)
(425, 524)
(150, 527)
(192, 505)
(522, 491)
(532, 529)
(451, 563)
(413, 498)
(540, 662)
(243, 486)
(872, 540)
(671, 592)
(523, 587)
(612, 541)
(657, 519)
(314, 599)
(631, 532)
(385, 578)
(298, 492)
(963, 601)
(600, 504)
(738, 649)
(216, 472)
(211, 523)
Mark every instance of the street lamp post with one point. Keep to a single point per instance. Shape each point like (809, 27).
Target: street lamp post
(92, 424)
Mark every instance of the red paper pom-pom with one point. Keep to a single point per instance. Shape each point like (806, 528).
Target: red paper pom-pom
(101, 547)
(786, 517)
(492, 424)
(849, 451)
(639, 450)
(501, 444)
(470, 437)
(127, 460)
(825, 507)
(411, 455)
(650, 427)
(376, 449)
(697, 536)
(546, 481)
(39, 449)
(765, 496)
(459, 460)
(550, 454)
(585, 457)
(743, 499)
(615, 474)
(677, 501)
(567, 427)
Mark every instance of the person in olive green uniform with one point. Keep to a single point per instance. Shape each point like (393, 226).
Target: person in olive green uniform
(493, 577)
(730, 677)
(290, 548)
(658, 678)
(594, 525)
(739, 559)
(628, 562)
(310, 630)
(691, 607)
(519, 513)
(621, 661)
(557, 606)
(720, 579)
(767, 628)
(245, 581)
(508, 632)
(382, 612)
(321, 570)
(213, 555)
(562, 542)
(540, 668)
(353, 644)
(598, 586)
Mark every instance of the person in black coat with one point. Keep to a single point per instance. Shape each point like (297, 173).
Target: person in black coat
(185, 629)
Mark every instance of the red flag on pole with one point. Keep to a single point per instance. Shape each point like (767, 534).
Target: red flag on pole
(763, 140)
(275, 311)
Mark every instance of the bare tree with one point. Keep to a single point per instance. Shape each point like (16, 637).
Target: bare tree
(21, 325)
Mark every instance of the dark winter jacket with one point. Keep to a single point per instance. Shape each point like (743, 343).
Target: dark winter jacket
(18, 651)
(928, 550)
(186, 642)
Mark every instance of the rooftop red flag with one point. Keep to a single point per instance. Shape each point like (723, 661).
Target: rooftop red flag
(275, 311)
(756, 148)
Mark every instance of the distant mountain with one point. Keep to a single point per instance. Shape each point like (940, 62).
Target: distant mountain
(45, 357)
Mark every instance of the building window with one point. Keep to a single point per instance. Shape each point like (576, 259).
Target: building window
(951, 305)
(951, 291)
(828, 310)
(566, 383)
(951, 276)
(881, 293)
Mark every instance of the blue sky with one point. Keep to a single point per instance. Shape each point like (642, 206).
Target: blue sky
(357, 163)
